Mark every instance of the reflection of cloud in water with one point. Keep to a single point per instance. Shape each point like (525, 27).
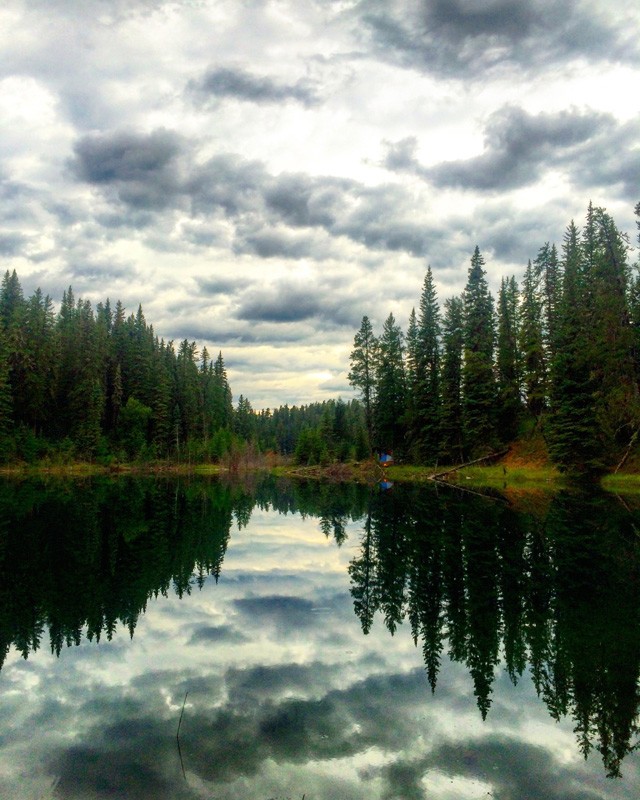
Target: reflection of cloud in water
(285, 697)
(217, 634)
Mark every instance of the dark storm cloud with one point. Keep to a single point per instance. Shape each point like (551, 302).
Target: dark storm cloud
(467, 38)
(233, 82)
(133, 751)
(95, 270)
(140, 168)
(519, 147)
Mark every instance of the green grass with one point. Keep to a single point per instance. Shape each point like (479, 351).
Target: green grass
(622, 483)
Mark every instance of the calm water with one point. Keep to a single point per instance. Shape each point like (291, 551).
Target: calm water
(331, 642)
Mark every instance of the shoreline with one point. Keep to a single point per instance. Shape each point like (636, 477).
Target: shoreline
(500, 476)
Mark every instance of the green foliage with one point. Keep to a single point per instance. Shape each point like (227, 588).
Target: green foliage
(362, 375)
(478, 404)
(391, 391)
(508, 361)
(311, 448)
(426, 390)
(451, 434)
(133, 426)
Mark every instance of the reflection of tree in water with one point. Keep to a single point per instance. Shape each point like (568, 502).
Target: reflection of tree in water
(81, 559)
(559, 593)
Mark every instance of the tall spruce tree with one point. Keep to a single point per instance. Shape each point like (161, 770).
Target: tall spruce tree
(479, 387)
(427, 373)
(508, 361)
(390, 400)
(572, 429)
(534, 367)
(362, 375)
(547, 270)
(451, 432)
(616, 398)
(411, 371)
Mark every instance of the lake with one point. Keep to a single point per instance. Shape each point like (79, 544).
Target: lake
(186, 638)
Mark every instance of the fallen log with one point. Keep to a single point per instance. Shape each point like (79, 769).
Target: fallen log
(490, 457)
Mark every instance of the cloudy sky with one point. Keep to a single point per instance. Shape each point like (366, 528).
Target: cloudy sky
(261, 173)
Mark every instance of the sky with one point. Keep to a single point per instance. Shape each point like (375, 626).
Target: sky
(260, 174)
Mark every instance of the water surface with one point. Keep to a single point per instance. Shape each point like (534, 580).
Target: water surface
(330, 641)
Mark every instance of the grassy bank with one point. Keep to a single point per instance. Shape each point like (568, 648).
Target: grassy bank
(506, 475)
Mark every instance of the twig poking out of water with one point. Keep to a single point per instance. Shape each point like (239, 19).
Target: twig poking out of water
(184, 774)
(186, 694)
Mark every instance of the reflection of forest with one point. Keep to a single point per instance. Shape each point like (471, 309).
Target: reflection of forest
(81, 558)
(557, 592)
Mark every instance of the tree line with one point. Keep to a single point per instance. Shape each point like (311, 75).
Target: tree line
(558, 352)
(99, 384)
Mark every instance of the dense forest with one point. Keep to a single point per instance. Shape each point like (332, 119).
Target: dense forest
(98, 384)
(557, 354)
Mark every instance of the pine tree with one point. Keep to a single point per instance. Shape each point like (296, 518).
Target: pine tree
(6, 401)
(572, 430)
(478, 379)
(451, 433)
(427, 378)
(548, 273)
(534, 367)
(508, 361)
(41, 357)
(616, 398)
(362, 375)
(411, 371)
(222, 402)
(390, 400)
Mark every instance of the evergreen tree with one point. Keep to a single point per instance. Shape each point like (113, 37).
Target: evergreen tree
(616, 397)
(547, 270)
(6, 401)
(222, 401)
(451, 433)
(534, 368)
(411, 363)
(508, 361)
(390, 400)
(245, 420)
(478, 378)
(572, 431)
(427, 379)
(362, 375)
